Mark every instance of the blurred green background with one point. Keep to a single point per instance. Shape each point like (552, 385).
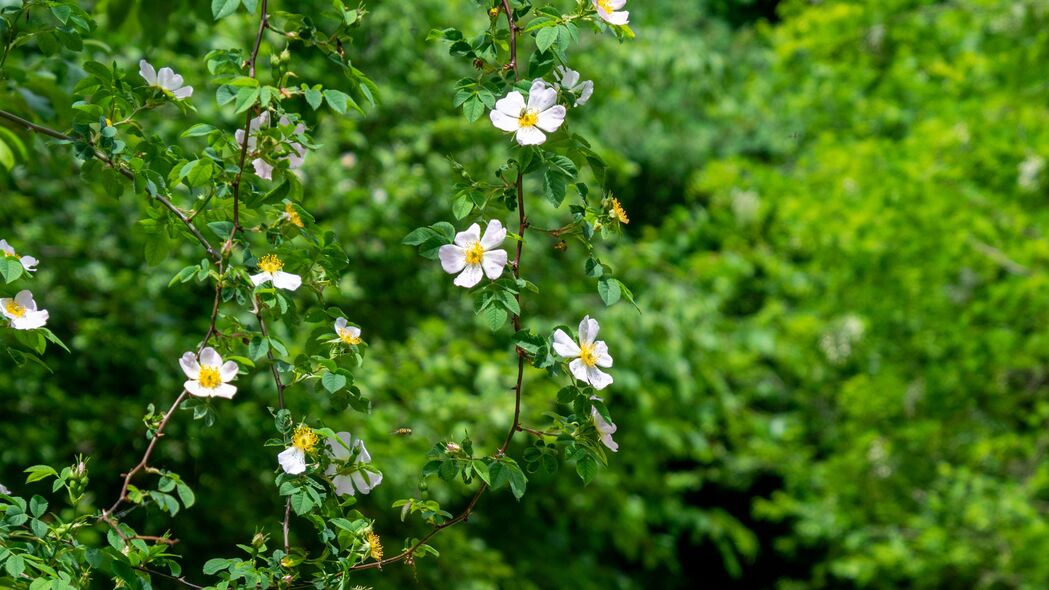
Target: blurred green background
(838, 376)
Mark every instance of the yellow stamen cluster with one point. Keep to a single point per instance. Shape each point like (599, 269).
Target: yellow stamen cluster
(14, 308)
(475, 254)
(375, 545)
(528, 118)
(587, 354)
(347, 337)
(270, 263)
(618, 212)
(10, 254)
(209, 377)
(293, 215)
(606, 5)
(304, 439)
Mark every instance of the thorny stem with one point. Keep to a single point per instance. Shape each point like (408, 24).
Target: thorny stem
(280, 400)
(407, 554)
(30, 126)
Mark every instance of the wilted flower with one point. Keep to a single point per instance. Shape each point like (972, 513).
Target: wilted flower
(166, 79)
(473, 254)
(541, 113)
(606, 9)
(568, 79)
(348, 334)
(605, 429)
(22, 313)
(271, 266)
(28, 262)
(348, 478)
(208, 375)
(292, 216)
(587, 356)
(293, 459)
(617, 212)
(374, 545)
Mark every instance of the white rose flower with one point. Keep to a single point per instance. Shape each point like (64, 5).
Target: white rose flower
(293, 459)
(606, 9)
(208, 375)
(474, 255)
(166, 79)
(541, 113)
(4, 490)
(271, 266)
(22, 313)
(605, 429)
(587, 356)
(348, 478)
(28, 262)
(348, 334)
(568, 79)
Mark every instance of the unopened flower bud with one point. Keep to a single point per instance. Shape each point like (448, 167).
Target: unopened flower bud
(453, 447)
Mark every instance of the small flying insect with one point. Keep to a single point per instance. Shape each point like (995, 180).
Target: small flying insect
(403, 431)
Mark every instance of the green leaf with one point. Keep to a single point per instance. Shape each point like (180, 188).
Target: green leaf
(473, 109)
(223, 8)
(494, 317)
(7, 157)
(333, 381)
(197, 130)
(251, 5)
(545, 38)
(314, 98)
(185, 493)
(586, 467)
(246, 98)
(15, 565)
(37, 506)
(609, 290)
(11, 269)
(339, 101)
(213, 566)
(301, 503)
(39, 472)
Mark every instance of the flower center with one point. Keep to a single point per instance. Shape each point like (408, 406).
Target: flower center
(474, 254)
(528, 118)
(11, 254)
(293, 215)
(270, 263)
(374, 546)
(587, 354)
(618, 212)
(348, 337)
(15, 309)
(304, 439)
(209, 377)
(606, 5)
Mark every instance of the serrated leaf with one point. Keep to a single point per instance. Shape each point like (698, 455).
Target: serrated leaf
(223, 8)
(333, 381)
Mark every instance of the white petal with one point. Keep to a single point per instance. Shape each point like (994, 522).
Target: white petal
(530, 136)
(453, 258)
(494, 234)
(225, 390)
(617, 4)
(185, 92)
(601, 353)
(31, 320)
(511, 105)
(353, 331)
(504, 121)
(176, 82)
(588, 91)
(189, 365)
(493, 262)
(286, 280)
(195, 388)
(564, 345)
(363, 456)
(470, 276)
(228, 371)
(603, 426)
(297, 156)
(343, 485)
(263, 169)
(3, 307)
(588, 329)
(292, 460)
(338, 451)
(541, 96)
(569, 77)
(260, 278)
(616, 18)
(552, 118)
(165, 77)
(465, 239)
(25, 299)
(6, 248)
(29, 263)
(578, 369)
(598, 378)
(147, 72)
(209, 357)
(340, 324)
(612, 445)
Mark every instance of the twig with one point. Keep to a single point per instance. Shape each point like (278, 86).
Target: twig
(122, 170)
